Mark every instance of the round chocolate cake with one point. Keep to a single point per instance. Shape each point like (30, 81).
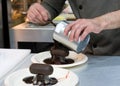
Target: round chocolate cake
(41, 78)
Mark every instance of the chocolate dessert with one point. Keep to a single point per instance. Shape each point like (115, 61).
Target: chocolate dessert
(42, 78)
(59, 53)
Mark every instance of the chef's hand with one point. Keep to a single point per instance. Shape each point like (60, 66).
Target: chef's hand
(38, 14)
(81, 28)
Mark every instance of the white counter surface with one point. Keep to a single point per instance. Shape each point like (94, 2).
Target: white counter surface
(9, 59)
(98, 71)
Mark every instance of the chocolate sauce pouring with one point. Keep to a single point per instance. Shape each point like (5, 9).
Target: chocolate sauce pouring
(58, 35)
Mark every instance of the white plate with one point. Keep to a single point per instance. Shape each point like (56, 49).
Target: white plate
(64, 77)
(78, 58)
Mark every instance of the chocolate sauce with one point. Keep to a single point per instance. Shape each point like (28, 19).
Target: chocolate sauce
(59, 53)
(41, 78)
(28, 80)
(67, 61)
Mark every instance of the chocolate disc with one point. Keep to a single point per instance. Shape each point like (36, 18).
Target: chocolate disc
(43, 69)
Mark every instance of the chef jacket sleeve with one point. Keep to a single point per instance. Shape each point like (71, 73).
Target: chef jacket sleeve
(54, 7)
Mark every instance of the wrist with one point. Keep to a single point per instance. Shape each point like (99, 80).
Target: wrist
(102, 23)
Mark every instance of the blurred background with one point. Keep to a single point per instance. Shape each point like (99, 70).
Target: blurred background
(16, 33)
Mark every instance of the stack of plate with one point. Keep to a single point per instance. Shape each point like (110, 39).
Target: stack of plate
(65, 77)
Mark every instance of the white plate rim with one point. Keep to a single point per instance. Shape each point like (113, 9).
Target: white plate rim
(85, 58)
(26, 70)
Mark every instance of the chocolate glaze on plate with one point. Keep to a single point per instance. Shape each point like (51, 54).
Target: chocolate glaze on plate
(59, 53)
(41, 78)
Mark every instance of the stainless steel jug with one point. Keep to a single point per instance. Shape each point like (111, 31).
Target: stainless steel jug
(59, 36)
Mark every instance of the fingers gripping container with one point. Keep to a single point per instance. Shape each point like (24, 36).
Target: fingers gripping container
(59, 36)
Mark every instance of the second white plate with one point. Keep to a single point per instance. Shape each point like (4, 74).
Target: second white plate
(64, 77)
(78, 58)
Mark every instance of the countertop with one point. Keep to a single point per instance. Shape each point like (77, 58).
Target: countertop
(97, 71)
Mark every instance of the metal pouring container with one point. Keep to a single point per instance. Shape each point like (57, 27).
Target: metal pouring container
(58, 35)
